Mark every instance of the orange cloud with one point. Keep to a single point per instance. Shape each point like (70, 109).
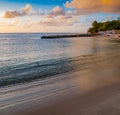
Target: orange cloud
(90, 6)
(14, 14)
(27, 9)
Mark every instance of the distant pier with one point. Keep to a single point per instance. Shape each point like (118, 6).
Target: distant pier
(66, 36)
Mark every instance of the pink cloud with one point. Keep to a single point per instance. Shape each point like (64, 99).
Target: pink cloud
(14, 14)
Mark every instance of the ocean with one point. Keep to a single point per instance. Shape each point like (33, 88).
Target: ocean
(25, 57)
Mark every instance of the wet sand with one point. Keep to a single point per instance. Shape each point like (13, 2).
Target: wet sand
(100, 96)
(105, 101)
(94, 90)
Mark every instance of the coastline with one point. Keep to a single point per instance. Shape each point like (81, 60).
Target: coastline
(59, 57)
(85, 92)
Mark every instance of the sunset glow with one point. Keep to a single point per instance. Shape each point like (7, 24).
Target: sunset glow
(70, 16)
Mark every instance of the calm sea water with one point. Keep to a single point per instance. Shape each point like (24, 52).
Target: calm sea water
(27, 57)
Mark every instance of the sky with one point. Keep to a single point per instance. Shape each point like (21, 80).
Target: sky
(74, 16)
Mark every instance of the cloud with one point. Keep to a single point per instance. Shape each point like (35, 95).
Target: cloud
(10, 24)
(58, 17)
(13, 14)
(58, 21)
(49, 21)
(55, 17)
(57, 11)
(55, 23)
(91, 6)
(27, 9)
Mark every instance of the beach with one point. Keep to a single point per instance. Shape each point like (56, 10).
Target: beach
(104, 101)
(93, 89)
(59, 57)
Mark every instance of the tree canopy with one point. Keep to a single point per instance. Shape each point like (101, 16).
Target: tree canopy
(104, 26)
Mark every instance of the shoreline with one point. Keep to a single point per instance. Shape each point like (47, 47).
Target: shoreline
(84, 92)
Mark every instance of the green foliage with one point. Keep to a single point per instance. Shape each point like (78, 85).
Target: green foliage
(91, 30)
(109, 25)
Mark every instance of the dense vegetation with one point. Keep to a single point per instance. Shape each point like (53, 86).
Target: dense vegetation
(104, 26)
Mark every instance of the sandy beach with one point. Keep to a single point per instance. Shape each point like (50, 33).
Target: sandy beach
(104, 101)
(59, 57)
(92, 90)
